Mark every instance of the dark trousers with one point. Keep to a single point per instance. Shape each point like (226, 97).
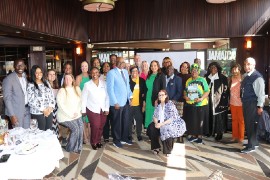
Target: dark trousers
(154, 134)
(136, 113)
(107, 127)
(120, 123)
(44, 123)
(251, 118)
(97, 124)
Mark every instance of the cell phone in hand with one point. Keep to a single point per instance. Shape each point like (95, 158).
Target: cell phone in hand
(4, 158)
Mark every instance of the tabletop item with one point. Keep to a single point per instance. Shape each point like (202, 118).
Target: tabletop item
(26, 148)
(33, 124)
(33, 155)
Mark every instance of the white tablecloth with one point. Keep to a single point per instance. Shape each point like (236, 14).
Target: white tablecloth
(31, 166)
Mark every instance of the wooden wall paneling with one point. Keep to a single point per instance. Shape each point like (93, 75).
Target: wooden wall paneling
(57, 18)
(155, 19)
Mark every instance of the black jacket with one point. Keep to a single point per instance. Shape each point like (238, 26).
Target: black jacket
(221, 93)
(142, 89)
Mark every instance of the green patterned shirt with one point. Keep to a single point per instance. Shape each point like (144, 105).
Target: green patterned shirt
(195, 89)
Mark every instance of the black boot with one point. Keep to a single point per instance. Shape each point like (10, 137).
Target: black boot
(219, 136)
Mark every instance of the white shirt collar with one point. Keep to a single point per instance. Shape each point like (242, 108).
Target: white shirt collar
(171, 77)
(250, 72)
(119, 69)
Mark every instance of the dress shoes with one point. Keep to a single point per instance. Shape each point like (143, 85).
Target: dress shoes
(219, 137)
(99, 145)
(94, 146)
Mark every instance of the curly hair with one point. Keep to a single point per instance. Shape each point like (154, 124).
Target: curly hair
(217, 65)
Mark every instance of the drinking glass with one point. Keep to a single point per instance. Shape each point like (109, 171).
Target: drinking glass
(33, 125)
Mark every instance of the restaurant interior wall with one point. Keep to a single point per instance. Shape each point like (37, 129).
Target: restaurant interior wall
(172, 19)
(58, 18)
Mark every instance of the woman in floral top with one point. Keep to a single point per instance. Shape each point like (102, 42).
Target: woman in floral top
(167, 124)
(40, 99)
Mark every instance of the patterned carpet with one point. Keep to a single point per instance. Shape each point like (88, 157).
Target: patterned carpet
(188, 161)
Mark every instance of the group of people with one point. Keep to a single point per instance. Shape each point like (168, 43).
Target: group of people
(154, 98)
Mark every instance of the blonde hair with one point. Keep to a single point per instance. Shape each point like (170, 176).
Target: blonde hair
(73, 84)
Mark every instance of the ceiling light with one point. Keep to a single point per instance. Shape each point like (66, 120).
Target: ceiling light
(219, 1)
(98, 5)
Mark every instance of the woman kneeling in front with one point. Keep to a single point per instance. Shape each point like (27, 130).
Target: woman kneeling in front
(166, 123)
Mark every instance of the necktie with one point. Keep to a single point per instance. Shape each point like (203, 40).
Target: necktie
(123, 76)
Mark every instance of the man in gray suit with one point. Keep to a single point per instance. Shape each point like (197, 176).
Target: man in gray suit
(15, 96)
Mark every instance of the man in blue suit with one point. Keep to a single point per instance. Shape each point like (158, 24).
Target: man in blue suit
(120, 95)
(173, 84)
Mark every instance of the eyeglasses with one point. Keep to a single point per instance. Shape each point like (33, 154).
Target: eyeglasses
(160, 95)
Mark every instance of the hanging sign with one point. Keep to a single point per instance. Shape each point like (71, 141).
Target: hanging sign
(221, 54)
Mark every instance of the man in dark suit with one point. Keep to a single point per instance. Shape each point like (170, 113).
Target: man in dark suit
(173, 84)
(15, 96)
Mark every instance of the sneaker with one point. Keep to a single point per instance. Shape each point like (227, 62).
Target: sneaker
(199, 141)
(245, 145)
(247, 150)
(192, 139)
(128, 142)
(117, 145)
(106, 140)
